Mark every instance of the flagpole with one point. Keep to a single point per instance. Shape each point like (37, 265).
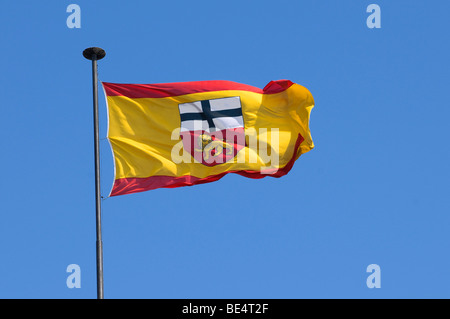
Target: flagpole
(94, 54)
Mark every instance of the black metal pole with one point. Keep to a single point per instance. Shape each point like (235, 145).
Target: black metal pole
(95, 54)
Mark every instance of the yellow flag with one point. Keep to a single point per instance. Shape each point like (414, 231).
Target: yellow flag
(181, 134)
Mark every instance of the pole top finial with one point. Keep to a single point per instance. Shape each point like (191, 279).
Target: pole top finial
(94, 53)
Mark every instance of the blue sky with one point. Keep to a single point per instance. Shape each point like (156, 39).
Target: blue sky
(373, 191)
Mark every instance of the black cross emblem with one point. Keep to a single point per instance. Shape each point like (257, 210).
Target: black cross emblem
(208, 115)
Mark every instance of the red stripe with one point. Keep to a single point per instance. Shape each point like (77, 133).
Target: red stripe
(125, 186)
(161, 90)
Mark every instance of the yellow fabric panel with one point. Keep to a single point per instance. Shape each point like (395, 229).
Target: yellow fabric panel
(142, 138)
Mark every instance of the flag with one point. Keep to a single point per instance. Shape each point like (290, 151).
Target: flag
(182, 134)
